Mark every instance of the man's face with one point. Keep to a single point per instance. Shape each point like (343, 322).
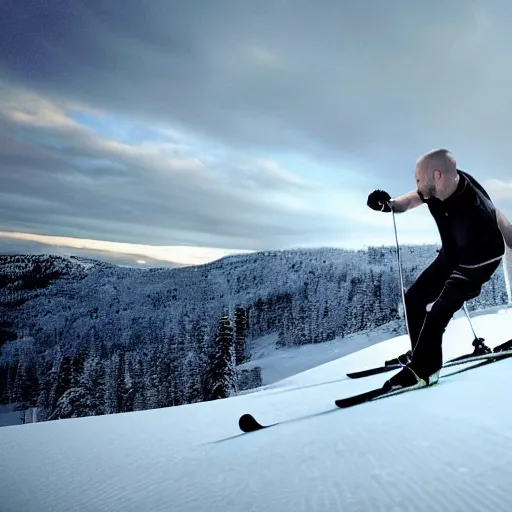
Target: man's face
(425, 182)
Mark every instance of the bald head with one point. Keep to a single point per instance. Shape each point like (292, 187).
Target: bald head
(438, 160)
(436, 174)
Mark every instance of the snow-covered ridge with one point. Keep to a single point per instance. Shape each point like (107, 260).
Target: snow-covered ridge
(336, 292)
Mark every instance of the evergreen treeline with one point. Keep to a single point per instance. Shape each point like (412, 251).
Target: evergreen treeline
(100, 378)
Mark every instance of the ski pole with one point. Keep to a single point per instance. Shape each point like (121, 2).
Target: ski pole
(469, 320)
(400, 272)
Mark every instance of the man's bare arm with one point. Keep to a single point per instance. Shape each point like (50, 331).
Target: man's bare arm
(406, 201)
(505, 227)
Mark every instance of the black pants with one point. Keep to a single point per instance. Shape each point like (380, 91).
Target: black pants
(447, 292)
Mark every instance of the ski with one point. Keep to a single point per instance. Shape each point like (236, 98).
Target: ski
(381, 392)
(248, 423)
(388, 368)
(504, 346)
(373, 371)
(480, 349)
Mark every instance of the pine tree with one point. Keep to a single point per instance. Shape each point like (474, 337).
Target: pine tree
(151, 379)
(120, 382)
(194, 373)
(94, 380)
(138, 397)
(12, 371)
(4, 379)
(26, 385)
(46, 377)
(77, 365)
(240, 335)
(165, 379)
(62, 381)
(110, 396)
(85, 397)
(222, 370)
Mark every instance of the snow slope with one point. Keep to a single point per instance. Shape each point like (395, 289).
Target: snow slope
(446, 448)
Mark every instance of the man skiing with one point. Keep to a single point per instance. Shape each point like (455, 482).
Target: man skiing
(472, 249)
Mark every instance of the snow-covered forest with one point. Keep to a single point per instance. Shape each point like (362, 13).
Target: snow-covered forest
(80, 337)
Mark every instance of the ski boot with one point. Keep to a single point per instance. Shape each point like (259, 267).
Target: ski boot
(407, 378)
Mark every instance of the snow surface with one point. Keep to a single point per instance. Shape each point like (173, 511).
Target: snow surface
(446, 448)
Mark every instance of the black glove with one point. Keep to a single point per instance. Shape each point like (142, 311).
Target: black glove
(378, 200)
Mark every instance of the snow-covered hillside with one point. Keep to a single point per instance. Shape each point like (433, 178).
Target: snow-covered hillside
(446, 448)
(80, 338)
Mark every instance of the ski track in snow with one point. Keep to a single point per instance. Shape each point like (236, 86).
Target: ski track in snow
(446, 448)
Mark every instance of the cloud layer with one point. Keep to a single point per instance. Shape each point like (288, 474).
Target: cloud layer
(243, 126)
(61, 175)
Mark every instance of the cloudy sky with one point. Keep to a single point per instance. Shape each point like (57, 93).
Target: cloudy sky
(182, 131)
